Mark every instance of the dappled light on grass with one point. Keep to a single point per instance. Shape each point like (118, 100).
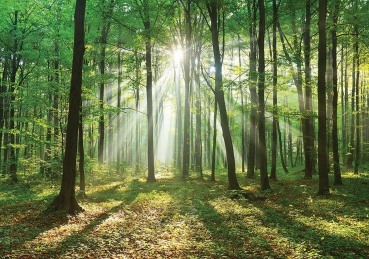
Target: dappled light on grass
(195, 218)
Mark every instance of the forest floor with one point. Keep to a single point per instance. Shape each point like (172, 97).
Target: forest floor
(125, 217)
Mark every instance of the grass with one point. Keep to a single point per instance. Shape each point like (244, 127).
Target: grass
(125, 217)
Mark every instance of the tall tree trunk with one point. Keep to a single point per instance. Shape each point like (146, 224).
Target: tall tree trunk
(14, 68)
(119, 145)
(3, 90)
(283, 160)
(253, 94)
(350, 158)
(45, 166)
(208, 135)
(186, 68)
(243, 144)
(309, 129)
(264, 182)
(178, 115)
(322, 114)
(66, 200)
(343, 103)
(198, 141)
(81, 165)
(357, 102)
(329, 96)
(137, 162)
(219, 94)
(214, 150)
(335, 143)
(104, 36)
(273, 172)
(56, 122)
(110, 140)
(149, 80)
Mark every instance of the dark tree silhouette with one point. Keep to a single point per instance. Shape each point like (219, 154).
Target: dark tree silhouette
(150, 128)
(66, 200)
(335, 143)
(212, 7)
(264, 182)
(322, 114)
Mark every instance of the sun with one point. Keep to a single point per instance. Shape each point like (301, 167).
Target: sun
(177, 54)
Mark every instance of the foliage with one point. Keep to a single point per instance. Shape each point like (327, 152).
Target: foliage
(127, 218)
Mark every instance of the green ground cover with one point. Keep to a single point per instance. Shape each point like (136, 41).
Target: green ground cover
(125, 217)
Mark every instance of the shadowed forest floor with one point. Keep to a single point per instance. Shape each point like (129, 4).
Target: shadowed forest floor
(129, 218)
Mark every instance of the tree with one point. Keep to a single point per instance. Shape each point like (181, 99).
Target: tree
(81, 150)
(308, 117)
(214, 26)
(273, 171)
(264, 182)
(186, 68)
(66, 200)
(322, 113)
(336, 157)
(304, 103)
(253, 94)
(149, 71)
(14, 68)
(103, 41)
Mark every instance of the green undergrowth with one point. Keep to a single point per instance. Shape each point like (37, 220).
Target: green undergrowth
(125, 217)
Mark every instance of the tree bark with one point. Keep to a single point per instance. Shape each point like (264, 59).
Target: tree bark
(186, 68)
(81, 165)
(214, 141)
(3, 90)
(253, 94)
(137, 156)
(273, 171)
(149, 80)
(322, 114)
(198, 140)
(104, 36)
(335, 143)
(14, 68)
(178, 116)
(308, 117)
(264, 182)
(119, 97)
(66, 200)
(243, 144)
(219, 95)
(356, 96)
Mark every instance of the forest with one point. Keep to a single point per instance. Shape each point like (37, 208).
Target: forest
(184, 129)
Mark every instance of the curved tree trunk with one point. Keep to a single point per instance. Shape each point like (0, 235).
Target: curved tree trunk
(219, 96)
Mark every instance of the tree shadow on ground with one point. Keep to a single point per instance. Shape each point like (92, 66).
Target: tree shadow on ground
(31, 224)
(20, 219)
